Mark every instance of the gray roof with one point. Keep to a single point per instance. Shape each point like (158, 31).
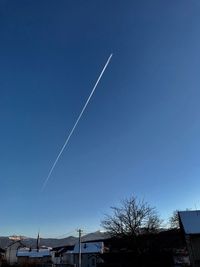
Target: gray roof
(90, 247)
(34, 253)
(190, 221)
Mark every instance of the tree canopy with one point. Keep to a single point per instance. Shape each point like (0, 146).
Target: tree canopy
(132, 218)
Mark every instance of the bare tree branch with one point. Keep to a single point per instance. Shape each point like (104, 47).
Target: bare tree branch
(132, 218)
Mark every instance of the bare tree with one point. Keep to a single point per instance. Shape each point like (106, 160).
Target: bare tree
(174, 220)
(132, 218)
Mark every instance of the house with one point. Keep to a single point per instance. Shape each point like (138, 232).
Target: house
(11, 252)
(2, 256)
(62, 255)
(190, 226)
(34, 256)
(91, 253)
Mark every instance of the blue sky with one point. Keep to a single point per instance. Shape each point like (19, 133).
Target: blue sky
(141, 131)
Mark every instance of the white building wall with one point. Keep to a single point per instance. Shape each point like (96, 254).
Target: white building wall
(11, 253)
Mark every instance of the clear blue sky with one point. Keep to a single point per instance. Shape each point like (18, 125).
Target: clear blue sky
(140, 133)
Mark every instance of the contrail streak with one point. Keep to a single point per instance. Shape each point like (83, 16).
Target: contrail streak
(76, 123)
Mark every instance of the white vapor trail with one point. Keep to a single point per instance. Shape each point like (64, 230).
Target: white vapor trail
(76, 123)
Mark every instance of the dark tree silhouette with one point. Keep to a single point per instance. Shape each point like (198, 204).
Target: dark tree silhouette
(131, 219)
(174, 220)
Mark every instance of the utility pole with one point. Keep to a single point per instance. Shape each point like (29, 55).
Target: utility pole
(38, 241)
(79, 255)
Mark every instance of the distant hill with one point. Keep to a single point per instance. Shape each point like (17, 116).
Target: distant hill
(54, 242)
(98, 235)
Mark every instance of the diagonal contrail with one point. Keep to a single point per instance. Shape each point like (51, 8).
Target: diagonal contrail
(76, 123)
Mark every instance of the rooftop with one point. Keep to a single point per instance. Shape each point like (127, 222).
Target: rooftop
(190, 221)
